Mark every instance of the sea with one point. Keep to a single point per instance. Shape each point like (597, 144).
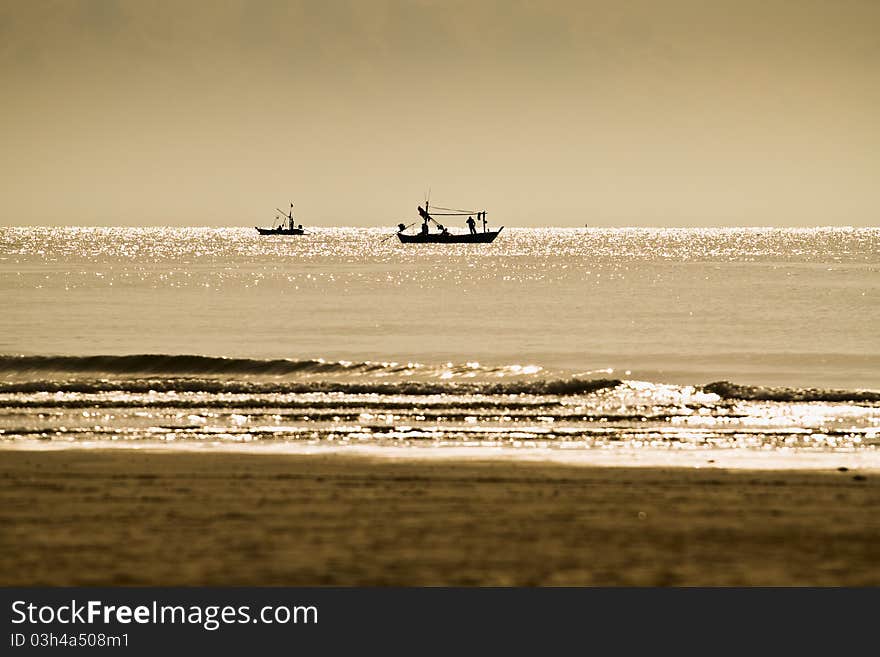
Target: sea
(733, 347)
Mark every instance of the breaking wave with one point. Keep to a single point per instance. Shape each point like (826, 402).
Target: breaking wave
(215, 386)
(167, 373)
(728, 390)
(187, 364)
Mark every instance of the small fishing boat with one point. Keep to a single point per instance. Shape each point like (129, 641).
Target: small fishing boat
(440, 238)
(288, 227)
(443, 236)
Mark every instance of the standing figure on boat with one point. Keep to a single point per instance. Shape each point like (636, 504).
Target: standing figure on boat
(471, 225)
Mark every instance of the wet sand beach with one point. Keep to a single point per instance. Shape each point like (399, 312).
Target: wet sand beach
(125, 517)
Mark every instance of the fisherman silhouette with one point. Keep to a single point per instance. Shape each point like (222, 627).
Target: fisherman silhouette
(472, 225)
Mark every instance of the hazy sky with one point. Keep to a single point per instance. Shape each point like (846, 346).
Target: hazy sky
(638, 112)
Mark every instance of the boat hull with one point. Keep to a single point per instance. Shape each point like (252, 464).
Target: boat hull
(279, 231)
(439, 238)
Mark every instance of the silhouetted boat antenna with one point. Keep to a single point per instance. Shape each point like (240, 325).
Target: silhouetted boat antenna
(288, 216)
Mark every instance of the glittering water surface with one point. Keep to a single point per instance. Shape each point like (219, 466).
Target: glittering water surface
(551, 338)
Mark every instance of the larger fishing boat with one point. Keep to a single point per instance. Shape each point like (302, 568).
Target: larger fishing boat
(287, 226)
(442, 234)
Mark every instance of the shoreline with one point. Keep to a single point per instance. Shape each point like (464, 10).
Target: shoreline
(672, 456)
(140, 517)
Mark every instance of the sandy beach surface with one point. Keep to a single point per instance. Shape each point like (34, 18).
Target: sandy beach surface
(127, 517)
